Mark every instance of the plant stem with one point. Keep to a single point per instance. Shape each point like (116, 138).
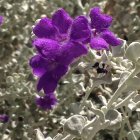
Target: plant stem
(68, 137)
(122, 87)
(128, 124)
(87, 95)
(80, 4)
(124, 102)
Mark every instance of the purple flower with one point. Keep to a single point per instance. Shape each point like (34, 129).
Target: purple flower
(46, 102)
(99, 43)
(80, 30)
(60, 41)
(1, 20)
(58, 44)
(102, 37)
(99, 20)
(65, 30)
(4, 118)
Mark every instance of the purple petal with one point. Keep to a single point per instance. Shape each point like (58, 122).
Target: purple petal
(39, 65)
(99, 43)
(46, 102)
(71, 51)
(59, 71)
(99, 21)
(62, 21)
(45, 29)
(80, 30)
(48, 81)
(110, 38)
(1, 20)
(47, 48)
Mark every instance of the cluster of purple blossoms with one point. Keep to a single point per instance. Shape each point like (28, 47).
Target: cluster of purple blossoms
(102, 37)
(60, 41)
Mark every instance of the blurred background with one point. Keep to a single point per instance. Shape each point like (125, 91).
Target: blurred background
(17, 84)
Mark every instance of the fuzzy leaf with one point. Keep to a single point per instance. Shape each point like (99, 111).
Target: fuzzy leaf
(74, 125)
(137, 135)
(115, 119)
(39, 135)
(107, 79)
(119, 50)
(133, 52)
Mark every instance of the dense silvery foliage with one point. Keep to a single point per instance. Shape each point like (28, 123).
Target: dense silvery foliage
(56, 44)
(85, 106)
(111, 115)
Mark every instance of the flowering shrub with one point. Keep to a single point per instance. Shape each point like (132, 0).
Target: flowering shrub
(59, 43)
(98, 95)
